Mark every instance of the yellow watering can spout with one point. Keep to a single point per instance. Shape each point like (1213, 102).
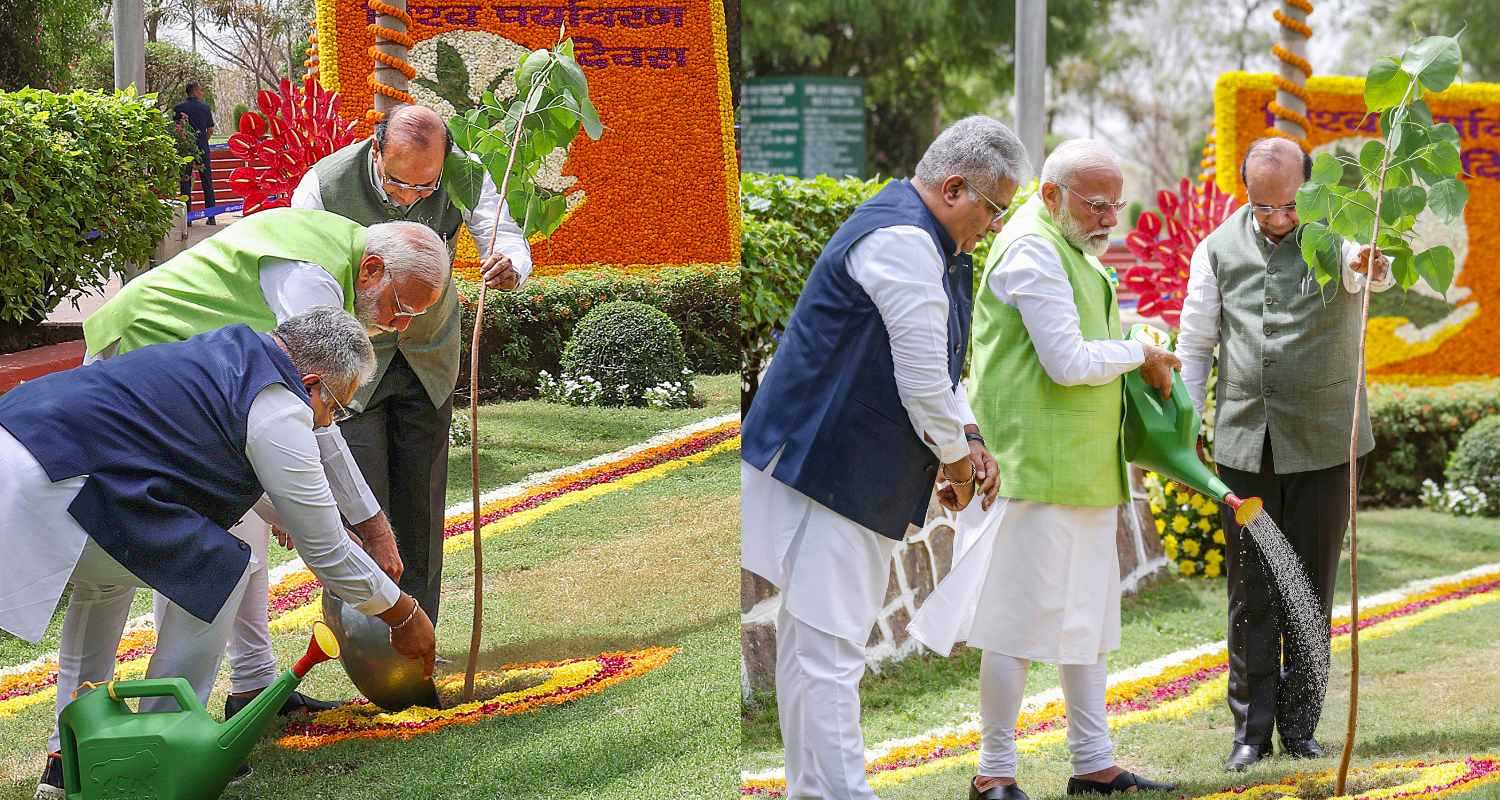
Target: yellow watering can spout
(1162, 435)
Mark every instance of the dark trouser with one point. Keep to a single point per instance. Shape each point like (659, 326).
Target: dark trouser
(205, 172)
(400, 442)
(1268, 688)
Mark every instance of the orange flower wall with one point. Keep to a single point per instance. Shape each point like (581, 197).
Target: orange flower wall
(1463, 350)
(660, 188)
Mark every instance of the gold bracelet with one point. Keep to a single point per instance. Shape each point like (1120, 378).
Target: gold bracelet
(415, 606)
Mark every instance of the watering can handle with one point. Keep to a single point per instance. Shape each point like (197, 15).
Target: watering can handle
(176, 688)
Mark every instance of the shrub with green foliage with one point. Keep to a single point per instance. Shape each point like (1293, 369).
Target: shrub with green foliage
(83, 183)
(629, 348)
(525, 331)
(1476, 463)
(1416, 429)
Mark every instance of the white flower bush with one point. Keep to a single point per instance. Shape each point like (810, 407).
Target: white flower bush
(1463, 501)
(581, 390)
(459, 434)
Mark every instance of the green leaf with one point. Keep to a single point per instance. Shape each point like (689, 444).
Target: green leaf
(1435, 265)
(556, 208)
(1312, 202)
(1443, 132)
(565, 48)
(1409, 200)
(1447, 198)
(1354, 218)
(1317, 246)
(573, 75)
(463, 179)
(1403, 267)
(1385, 85)
(465, 133)
(1327, 169)
(591, 124)
(531, 66)
(1418, 112)
(1434, 61)
(1370, 157)
(1444, 159)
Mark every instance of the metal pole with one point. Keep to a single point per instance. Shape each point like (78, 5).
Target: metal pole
(129, 18)
(1031, 73)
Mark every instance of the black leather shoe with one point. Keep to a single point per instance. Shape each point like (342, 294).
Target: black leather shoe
(1302, 748)
(1124, 782)
(50, 787)
(1241, 756)
(296, 702)
(1000, 791)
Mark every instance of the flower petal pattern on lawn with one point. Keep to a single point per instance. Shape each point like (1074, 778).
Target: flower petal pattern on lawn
(1175, 691)
(568, 680)
(1435, 779)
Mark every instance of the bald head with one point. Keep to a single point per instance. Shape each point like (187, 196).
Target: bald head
(410, 146)
(1273, 169)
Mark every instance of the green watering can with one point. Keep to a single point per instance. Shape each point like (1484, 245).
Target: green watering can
(112, 753)
(1162, 436)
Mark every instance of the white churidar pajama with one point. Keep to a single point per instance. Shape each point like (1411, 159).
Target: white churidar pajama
(1038, 581)
(832, 571)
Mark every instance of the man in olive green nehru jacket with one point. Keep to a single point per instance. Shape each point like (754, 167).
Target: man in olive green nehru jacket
(1042, 580)
(261, 271)
(399, 432)
(1285, 400)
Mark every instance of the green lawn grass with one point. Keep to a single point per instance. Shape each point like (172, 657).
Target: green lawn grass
(925, 692)
(651, 565)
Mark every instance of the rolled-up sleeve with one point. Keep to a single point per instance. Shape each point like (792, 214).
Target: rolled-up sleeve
(902, 272)
(282, 450)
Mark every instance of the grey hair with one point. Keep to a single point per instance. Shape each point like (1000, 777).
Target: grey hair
(410, 249)
(977, 148)
(329, 341)
(1075, 155)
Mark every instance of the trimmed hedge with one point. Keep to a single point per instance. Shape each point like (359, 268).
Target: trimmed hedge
(627, 346)
(1416, 429)
(83, 182)
(525, 331)
(1476, 463)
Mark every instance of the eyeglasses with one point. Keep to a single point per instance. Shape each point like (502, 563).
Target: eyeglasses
(401, 309)
(1261, 208)
(385, 177)
(341, 412)
(999, 209)
(1097, 207)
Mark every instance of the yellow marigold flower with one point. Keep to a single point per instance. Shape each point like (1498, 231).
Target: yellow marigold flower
(1191, 547)
(1187, 567)
(1204, 525)
(1171, 553)
(1182, 498)
(1180, 524)
(1219, 536)
(1155, 507)
(1214, 554)
(1211, 569)
(1161, 526)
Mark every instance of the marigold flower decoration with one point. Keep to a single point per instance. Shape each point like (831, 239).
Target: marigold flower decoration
(301, 125)
(1190, 527)
(1164, 246)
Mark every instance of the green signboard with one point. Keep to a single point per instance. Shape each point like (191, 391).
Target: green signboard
(803, 126)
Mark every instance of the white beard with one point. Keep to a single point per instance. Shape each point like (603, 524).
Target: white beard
(1092, 244)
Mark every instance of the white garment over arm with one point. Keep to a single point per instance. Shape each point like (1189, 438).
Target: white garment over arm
(1198, 331)
(1030, 278)
(283, 451)
(902, 272)
(481, 221)
(290, 288)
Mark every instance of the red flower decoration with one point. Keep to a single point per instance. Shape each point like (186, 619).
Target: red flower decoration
(301, 125)
(1165, 251)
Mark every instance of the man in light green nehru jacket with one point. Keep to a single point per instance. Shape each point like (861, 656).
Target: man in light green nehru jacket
(1041, 580)
(261, 271)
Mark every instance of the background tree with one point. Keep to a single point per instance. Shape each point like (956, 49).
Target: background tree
(168, 70)
(41, 40)
(1380, 22)
(262, 37)
(924, 64)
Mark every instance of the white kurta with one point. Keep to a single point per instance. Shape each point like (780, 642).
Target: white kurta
(1037, 580)
(846, 563)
